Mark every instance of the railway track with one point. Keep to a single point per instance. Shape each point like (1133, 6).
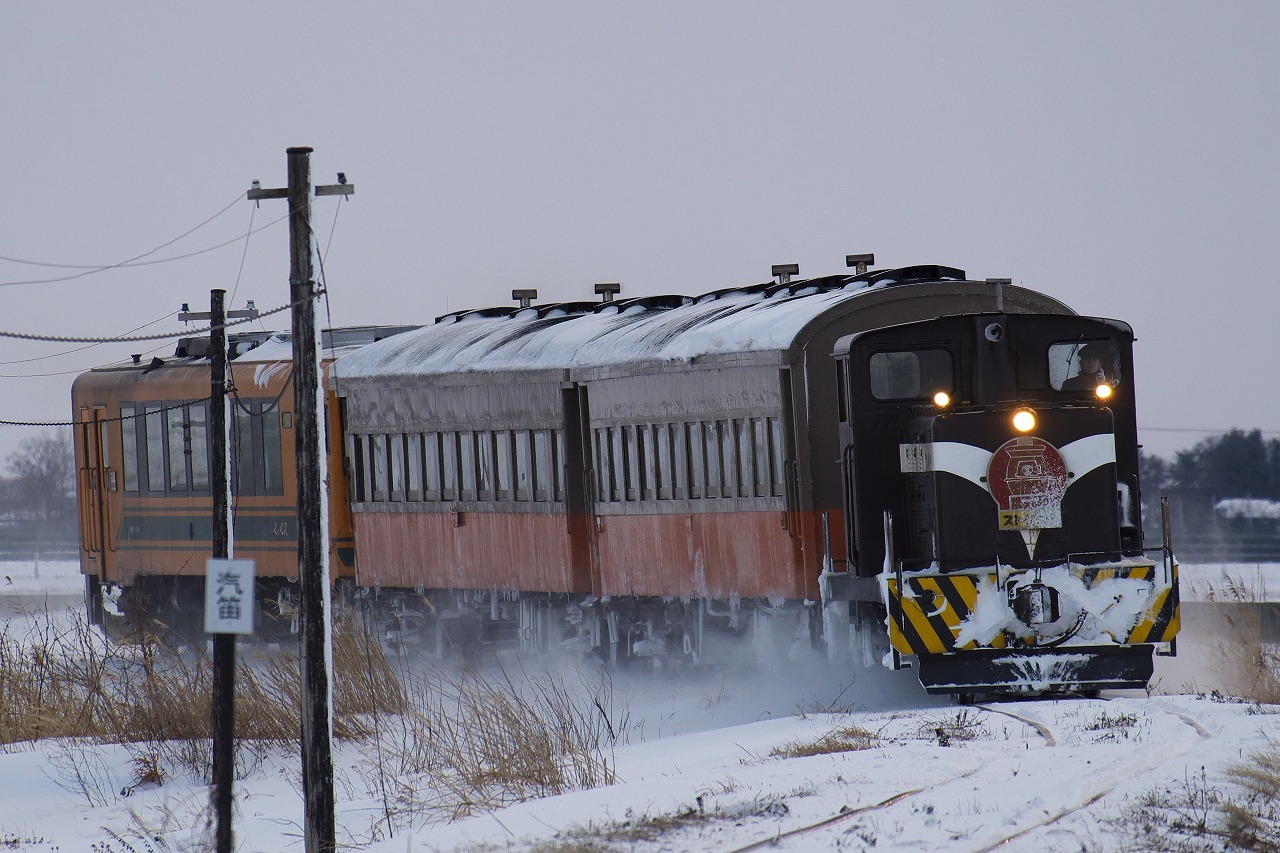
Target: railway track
(1055, 736)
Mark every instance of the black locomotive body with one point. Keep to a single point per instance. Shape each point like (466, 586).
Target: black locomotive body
(826, 464)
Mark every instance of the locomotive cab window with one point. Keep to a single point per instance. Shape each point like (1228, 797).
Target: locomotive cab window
(1083, 365)
(911, 374)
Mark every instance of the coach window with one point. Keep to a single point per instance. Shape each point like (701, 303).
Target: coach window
(746, 459)
(604, 471)
(504, 465)
(629, 463)
(760, 455)
(524, 466)
(666, 472)
(449, 466)
(543, 487)
(431, 466)
(242, 455)
(176, 428)
(467, 465)
(711, 444)
(776, 449)
(154, 441)
(198, 431)
(557, 440)
(378, 466)
(911, 374)
(697, 461)
(484, 465)
(359, 468)
(618, 463)
(129, 447)
(396, 448)
(648, 463)
(612, 452)
(728, 459)
(272, 468)
(413, 462)
(680, 462)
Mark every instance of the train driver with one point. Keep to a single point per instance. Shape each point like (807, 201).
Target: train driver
(1091, 373)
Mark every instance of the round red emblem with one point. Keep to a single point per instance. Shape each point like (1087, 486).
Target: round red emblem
(1028, 477)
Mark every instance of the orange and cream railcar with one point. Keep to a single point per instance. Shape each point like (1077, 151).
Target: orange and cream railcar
(142, 476)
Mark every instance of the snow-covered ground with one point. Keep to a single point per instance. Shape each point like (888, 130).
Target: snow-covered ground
(697, 767)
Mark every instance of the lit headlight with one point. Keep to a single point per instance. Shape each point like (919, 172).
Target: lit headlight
(1103, 391)
(942, 399)
(1024, 420)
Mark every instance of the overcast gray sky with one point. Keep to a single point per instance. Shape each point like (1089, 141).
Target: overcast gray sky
(1119, 156)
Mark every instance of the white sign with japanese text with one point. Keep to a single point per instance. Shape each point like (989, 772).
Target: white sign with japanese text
(228, 597)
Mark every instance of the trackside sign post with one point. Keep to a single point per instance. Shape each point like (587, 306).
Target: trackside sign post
(228, 610)
(228, 597)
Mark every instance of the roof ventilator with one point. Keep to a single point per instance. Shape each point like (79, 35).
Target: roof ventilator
(783, 272)
(859, 262)
(607, 290)
(525, 297)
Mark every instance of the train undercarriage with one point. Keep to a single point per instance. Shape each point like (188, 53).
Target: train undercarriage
(656, 632)
(468, 625)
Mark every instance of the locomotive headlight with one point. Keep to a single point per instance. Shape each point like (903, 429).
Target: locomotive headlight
(1024, 420)
(942, 399)
(1103, 391)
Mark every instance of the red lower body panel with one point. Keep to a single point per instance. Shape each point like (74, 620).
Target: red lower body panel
(700, 555)
(703, 555)
(467, 550)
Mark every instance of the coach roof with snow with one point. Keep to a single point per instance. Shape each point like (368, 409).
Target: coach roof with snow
(769, 322)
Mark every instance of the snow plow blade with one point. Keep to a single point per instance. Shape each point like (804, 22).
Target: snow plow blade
(1077, 669)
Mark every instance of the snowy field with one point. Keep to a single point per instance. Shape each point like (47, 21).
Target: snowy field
(706, 763)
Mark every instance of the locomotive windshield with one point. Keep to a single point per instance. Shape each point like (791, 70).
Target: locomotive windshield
(911, 374)
(1083, 365)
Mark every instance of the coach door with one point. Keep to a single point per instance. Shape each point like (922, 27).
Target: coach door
(580, 498)
(96, 480)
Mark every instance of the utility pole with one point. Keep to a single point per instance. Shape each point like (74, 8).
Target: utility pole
(316, 638)
(224, 644)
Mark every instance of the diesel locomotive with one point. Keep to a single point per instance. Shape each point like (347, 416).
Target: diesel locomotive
(899, 466)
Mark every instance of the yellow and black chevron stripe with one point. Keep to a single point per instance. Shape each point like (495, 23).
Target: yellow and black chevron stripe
(928, 619)
(1162, 619)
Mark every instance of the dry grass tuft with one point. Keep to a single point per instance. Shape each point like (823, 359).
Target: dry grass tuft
(848, 738)
(650, 829)
(1250, 667)
(961, 727)
(466, 742)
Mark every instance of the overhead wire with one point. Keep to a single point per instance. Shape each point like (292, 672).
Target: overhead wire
(132, 263)
(116, 419)
(136, 260)
(83, 348)
(55, 265)
(185, 333)
(252, 211)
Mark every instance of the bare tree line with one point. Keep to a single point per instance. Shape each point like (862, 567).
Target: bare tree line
(37, 494)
